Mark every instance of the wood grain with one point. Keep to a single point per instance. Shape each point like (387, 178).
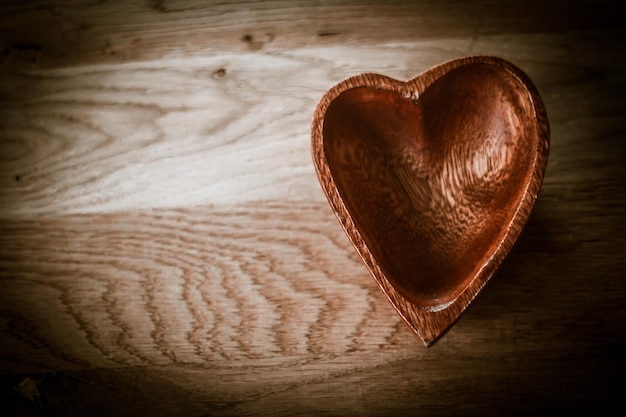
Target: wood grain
(91, 31)
(162, 231)
(195, 287)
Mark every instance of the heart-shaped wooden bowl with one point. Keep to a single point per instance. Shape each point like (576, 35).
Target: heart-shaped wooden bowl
(433, 179)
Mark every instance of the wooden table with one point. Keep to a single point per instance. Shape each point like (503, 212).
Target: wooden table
(165, 246)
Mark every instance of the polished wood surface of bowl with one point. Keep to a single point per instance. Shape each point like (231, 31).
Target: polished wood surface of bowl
(433, 179)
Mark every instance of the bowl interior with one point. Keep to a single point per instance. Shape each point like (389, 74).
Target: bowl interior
(433, 183)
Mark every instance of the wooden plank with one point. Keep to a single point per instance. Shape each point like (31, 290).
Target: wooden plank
(179, 133)
(204, 286)
(70, 33)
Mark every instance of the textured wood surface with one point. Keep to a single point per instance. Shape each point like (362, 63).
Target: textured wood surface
(165, 244)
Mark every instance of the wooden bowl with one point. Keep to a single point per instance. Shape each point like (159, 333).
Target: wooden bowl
(433, 179)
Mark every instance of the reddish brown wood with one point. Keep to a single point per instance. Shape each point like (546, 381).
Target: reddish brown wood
(433, 179)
